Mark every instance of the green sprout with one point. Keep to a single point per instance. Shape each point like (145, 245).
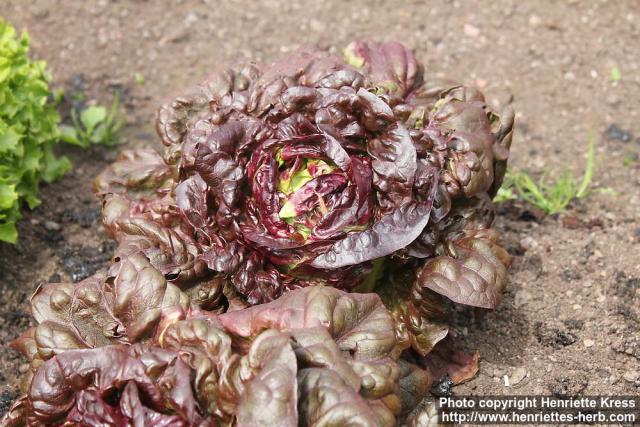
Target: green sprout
(550, 197)
(93, 125)
(616, 75)
(630, 160)
(139, 78)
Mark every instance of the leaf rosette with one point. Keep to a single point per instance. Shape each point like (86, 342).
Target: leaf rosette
(281, 189)
(312, 169)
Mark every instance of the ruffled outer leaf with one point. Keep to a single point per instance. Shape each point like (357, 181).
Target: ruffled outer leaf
(391, 66)
(270, 397)
(359, 325)
(141, 172)
(129, 303)
(473, 272)
(140, 371)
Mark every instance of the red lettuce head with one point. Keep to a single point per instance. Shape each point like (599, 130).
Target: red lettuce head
(354, 173)
(310, 171)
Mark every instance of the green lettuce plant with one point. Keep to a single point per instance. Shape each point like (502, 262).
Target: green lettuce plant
(93, 125)
(28, 130)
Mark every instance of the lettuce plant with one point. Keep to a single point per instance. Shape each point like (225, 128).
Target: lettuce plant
(93, 125)
(311, 169)
(279, 263)
(28, 130)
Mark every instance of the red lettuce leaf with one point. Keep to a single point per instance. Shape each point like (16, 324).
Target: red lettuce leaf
(473, 272)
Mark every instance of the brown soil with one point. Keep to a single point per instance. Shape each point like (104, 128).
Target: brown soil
(569, 320)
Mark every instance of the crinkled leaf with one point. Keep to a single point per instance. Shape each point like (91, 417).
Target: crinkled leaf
(135, 172)
(270, 396)
(473, 273)
(471, 143)
(391, 66)
(66, 384)
(127, 304)
(392, 232)
(191, 197)
(326, 400)
(170, 251)
(394, 166)
(423, 334)
(446, 361)
(358, 323)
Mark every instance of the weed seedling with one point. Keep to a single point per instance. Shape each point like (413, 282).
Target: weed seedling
(93, 125)
(550, 197)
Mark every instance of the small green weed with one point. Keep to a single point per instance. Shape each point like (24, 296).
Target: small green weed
(616, 75)
(550, 197)
(93, 125)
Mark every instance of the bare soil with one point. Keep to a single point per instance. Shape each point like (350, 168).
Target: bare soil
(569, 320)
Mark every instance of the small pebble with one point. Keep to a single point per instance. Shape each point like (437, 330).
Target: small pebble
(471, 30)
(631, 376)
(589, 343)
(612, 100)
(521, 298)
(317, 25)
(52, 226)
(518, 375)
(615, 132)
(190, 19)
(534, 20)
(528, 243)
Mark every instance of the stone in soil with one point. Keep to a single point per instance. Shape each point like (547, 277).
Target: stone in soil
(615, 132)
(443, 387)
(518, 375)
(52, 226)
(551, 336)
(631, 376)
(521, 298)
